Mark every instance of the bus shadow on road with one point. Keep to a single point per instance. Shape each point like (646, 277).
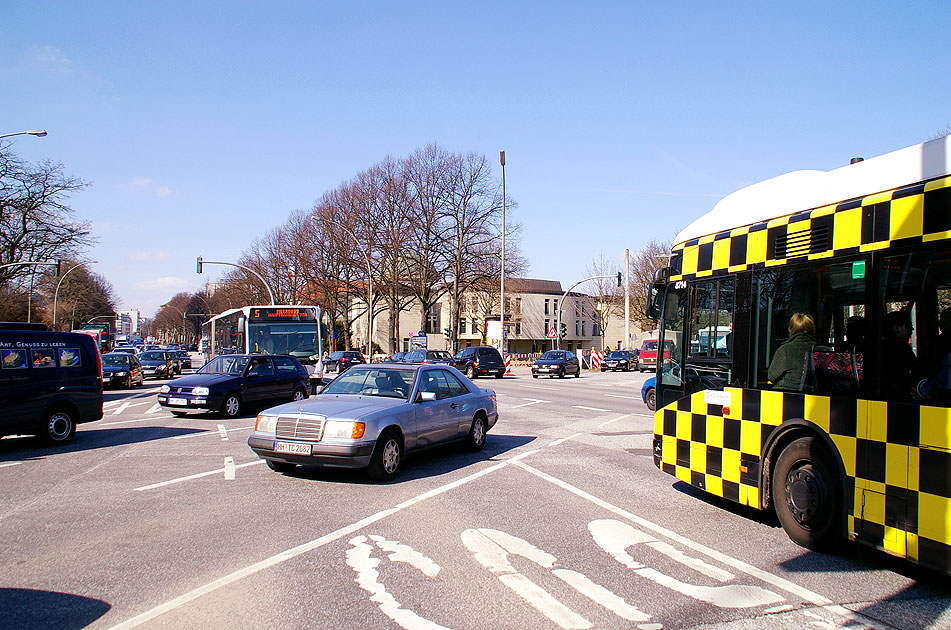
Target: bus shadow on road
(29, 608)
(765, 518)
(24, 448)
(429, 463)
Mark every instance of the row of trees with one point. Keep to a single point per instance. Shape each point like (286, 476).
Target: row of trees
(422, 227)
(37, 224)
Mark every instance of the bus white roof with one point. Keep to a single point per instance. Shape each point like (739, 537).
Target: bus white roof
(804, 190)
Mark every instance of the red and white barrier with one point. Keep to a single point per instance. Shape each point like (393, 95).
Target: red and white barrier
(596, 358)
(508, 365)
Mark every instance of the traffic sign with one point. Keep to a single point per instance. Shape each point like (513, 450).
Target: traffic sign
(552, 334)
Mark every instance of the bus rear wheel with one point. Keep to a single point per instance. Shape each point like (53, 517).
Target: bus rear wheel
(807, 494)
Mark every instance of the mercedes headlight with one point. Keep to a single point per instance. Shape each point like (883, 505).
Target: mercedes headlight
(265, 423)
(200, 391)
(344, 429)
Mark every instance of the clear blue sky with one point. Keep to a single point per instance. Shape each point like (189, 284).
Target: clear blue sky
(202, 125)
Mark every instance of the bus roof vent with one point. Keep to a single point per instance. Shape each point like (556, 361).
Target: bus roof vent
(802, 242)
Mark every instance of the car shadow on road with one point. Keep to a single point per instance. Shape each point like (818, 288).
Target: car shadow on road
(429, 463)
(25, 448)
(29, 608)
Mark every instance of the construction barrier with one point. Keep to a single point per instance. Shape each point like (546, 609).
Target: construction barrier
(508, 365)
(596, 358)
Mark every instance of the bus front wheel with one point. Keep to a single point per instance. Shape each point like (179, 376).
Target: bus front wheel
(807, 494)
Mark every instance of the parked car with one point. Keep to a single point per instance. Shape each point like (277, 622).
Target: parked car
(121, 369)
(229, 382)
(396, 357)
(372, 416)
(49, 381)
(435, 357)
(558, 363)
(480, 361)
(618, 360)
(157, 363)
(340, 360)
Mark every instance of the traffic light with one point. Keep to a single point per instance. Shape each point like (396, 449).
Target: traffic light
(619, 278)
(198, 266)
(564, 330)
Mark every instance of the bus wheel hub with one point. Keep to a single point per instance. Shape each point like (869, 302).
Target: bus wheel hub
(804, 490)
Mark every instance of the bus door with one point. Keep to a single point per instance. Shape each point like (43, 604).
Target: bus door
(709, 353)
(670, 386)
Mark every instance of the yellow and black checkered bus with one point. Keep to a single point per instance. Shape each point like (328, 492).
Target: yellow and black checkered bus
(827, 397)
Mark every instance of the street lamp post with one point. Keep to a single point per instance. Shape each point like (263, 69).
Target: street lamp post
(505, 339)
(366, 255)
(39, 133)
(58, 284)
(270, 293)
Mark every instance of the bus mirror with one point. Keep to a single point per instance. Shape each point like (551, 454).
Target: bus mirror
(662, 275)
(655, 299)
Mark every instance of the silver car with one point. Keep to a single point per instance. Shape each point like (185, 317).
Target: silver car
(372, 415)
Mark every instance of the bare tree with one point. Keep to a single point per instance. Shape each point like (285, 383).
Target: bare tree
(607, 296)
(644, 263)
(35, 221)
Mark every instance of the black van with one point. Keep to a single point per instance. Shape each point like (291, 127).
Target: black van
(49, 381)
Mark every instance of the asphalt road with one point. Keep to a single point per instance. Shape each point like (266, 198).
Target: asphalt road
(561, 522)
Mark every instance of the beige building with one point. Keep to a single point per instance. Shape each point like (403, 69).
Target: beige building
(532, 309)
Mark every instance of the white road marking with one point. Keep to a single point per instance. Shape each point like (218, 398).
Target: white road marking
(283, 556)
(588, 408)
(201, 433)
(154, 408)
(533, 401)
(491, 548)
(729, 561)
(196, 476)
(126, 405)
(223, 432)
(604, 424)
(360, 559)
(622, 396)
(152, 419)
(564, 439)
(6, 464)
(398, 552)
(229, 467)
(551, 389)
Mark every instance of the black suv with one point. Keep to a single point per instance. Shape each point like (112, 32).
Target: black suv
(340, 360)
(49, 381)
(480, 361)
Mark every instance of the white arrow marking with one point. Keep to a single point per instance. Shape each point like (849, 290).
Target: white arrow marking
(154, 408)
(120, 409)
(361, 560)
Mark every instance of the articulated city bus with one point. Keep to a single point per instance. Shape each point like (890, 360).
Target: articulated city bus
(830, 401)
(293, 330)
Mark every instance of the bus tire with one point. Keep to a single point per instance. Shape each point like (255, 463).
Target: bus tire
(807, 494)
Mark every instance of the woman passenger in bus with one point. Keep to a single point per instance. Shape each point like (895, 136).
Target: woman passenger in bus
(785, 370)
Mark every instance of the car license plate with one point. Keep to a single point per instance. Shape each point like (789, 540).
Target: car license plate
(179, 402)
(543, 369)
(290, 447)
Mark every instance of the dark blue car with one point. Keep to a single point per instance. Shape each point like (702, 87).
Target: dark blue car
(229, 382)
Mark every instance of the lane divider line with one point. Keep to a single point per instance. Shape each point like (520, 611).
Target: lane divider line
(229, 467)
(588, 408)
(216, 471)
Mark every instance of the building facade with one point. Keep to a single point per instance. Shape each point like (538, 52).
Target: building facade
(532, 313)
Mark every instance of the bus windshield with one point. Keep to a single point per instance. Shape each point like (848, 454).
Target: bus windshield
(298, 339)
